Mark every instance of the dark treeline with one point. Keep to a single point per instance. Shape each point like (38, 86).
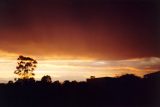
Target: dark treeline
(127, 90)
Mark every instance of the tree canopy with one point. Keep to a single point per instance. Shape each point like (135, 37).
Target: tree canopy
(25, 67)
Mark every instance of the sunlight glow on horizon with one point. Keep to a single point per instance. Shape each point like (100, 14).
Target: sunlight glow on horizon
(81, 69)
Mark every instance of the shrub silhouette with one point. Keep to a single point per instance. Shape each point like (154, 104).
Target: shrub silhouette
(25, 68)
(129, 77)
(125, 91)
(26, 82)
(46, 79)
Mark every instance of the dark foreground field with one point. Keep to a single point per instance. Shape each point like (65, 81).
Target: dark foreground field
(127, 90)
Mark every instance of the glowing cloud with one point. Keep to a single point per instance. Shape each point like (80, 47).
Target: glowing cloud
(82, 69)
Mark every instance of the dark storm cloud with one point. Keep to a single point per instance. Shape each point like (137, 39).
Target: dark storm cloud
(90, 28)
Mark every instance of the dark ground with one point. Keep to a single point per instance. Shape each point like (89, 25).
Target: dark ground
(125, 91)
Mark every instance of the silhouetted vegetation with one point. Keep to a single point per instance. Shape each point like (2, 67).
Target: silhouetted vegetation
(46, 79)
(127, 90)
(25, 68)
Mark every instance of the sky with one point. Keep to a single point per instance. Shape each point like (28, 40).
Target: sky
(76, 39)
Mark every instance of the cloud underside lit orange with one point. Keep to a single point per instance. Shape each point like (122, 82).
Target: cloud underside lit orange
(80, 69)
(76, 39)
(98, 30)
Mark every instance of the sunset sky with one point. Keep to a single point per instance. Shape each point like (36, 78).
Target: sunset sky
(76, 39)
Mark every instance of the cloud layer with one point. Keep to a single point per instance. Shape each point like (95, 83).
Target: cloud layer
(82, 69)
(99, 29)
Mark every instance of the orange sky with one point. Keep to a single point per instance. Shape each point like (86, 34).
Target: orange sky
(79, 30)
(96, 29)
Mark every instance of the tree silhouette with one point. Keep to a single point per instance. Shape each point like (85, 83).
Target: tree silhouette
(25, 68)
(46, 79)
(10, 82)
